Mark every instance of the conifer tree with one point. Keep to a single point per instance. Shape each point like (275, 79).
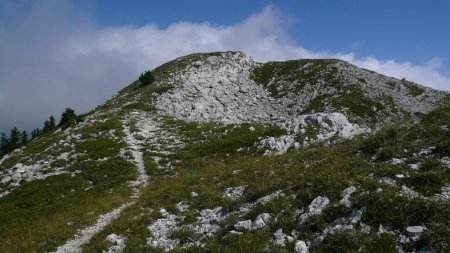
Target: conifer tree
(35, 133)
(146, 78)
(3, 144)
(15, 137)
(52, 123)
(68, 117)
(24, 137)
(46, 127)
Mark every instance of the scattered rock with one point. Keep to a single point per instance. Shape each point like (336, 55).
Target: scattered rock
(234, 232)
(17, 177)
(6, 180)
(388, 181)
(409, 192)
(243, 225)
(234, 192)
(316, 207)
(261, 221)
(382, 230)
(365, 228)
(413, 166)
(208, 222)
(427, 151)
(395, 161)
(331, 230)
(346, 196)
(445, 192)
(182, 206)
(4, 193)
(276, 145)
(330, 125)
(355, 217)
(445, 162)
(118, 243)
(415, 230)
(160, 230)
(300, 247)
(279, 238)
(263, 200)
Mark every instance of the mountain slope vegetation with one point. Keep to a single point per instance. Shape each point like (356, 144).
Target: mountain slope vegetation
(221, 154)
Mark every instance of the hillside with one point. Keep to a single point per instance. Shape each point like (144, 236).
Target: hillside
(223, 154)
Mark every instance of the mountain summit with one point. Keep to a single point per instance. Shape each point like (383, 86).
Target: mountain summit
(214, 152)
(232, 88)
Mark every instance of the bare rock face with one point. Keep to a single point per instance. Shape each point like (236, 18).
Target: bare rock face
(220, 89)
(225, 87)
(320, 100)
(329, 124)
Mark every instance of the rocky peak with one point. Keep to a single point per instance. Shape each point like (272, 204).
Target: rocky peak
(230, 87)
(219, 88)
(141, 172)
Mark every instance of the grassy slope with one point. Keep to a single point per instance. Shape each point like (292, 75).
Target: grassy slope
(43, 214)
(304, 175)
(335, 91)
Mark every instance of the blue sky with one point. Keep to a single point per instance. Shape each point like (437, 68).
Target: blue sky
(412, 30)
(60, 53)
(404, 30)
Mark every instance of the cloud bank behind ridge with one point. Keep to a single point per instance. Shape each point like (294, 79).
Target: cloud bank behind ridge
(53, 57)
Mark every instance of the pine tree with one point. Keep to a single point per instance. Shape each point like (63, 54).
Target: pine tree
(4, 142)
(146, 78)
(24, 137)
(68, 117)
(46, 127)
(52, 123)
(15, 137)
(35, 133)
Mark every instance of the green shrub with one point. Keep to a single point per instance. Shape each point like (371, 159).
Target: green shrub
(387, 207)
(68, 118)
(430, 164)
(413, 88)
(343, 241)
(428, 183)
(385, 154)
(146, 78)
(443, 147)
(385, 242)
(439, 116)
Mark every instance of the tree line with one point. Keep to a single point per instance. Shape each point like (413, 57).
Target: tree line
(17, 138)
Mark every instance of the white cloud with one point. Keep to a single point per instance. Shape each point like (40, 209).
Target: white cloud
(427, 74)
(50, 60)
